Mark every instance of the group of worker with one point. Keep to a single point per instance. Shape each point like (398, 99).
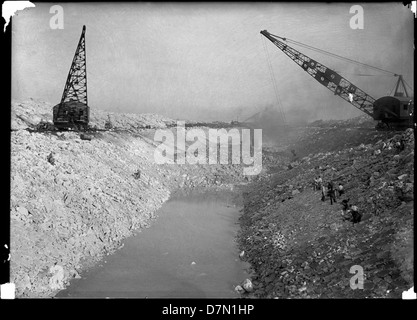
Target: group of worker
(349, 212)
(331, 191)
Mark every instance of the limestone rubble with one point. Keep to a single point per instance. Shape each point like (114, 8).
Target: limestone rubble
(68, 213)
(299, 246)
(74, 201)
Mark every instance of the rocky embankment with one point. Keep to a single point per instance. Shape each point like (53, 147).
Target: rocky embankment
(27, 114)
(74, 201)
(336, 135)
(299, 246)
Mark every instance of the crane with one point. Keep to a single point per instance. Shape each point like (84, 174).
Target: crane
(392, 111)
(73, 110)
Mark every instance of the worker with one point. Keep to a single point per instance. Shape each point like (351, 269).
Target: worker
(137, 174)
(316, 184)
(319, 181)
(356, 216)
(347, 215)
(351, 213)
(323, 192)
(397, 146)
(345, 209)
(341, 190)
(51, 158)
(345, 205)
(331, 192)
(402, 144)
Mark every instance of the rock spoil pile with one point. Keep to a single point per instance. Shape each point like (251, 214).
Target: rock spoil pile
(29, 113)
(300, 247)
(74, 200)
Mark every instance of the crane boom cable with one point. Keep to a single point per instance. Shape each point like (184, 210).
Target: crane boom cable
(333, 82)
(408, 85)
(346, 59)
(274, 82)
(334, 55)
(364, 75)
(275, 85)
(383, 109)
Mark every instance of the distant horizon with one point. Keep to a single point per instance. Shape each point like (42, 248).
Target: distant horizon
(298, 121)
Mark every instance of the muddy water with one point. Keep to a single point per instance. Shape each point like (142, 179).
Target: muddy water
(188, 252)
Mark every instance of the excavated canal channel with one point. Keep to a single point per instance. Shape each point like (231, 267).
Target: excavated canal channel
(190, 251)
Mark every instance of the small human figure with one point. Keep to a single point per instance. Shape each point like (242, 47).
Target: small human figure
(346, 210)
(323, 193)
(351, 212)
(356, 216)
(341, 190)
(397, 145)
(137, 174)
(51, 158)
(319, 181)
(402, 144)
(331, 192)
(108, 125)
(345, 205)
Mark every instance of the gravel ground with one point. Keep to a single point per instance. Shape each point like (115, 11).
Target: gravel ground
(299, 246)
(70, 210)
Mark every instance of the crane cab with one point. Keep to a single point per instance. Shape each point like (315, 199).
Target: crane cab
(397, 110)
(71, 114)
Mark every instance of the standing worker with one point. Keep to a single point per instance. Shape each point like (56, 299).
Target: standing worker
(341, 190)
(323, 192)
(319, 182)
(331, 192)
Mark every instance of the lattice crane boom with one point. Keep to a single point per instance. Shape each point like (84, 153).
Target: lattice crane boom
(73, 110)
(327, 77)
(76, 84)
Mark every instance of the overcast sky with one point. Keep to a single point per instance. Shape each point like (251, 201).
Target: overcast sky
(207, 61)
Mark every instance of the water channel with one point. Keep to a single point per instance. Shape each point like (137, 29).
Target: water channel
(189, 251)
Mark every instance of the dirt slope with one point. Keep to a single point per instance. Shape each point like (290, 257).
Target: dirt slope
(68, 213)
(300, 247)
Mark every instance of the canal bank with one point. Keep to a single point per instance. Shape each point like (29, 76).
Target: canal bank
(74, 201)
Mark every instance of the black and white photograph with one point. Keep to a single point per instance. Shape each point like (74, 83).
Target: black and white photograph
(211, 150)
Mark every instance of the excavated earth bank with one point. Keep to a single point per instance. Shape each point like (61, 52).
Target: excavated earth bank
(299, 246)
(68, 213)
